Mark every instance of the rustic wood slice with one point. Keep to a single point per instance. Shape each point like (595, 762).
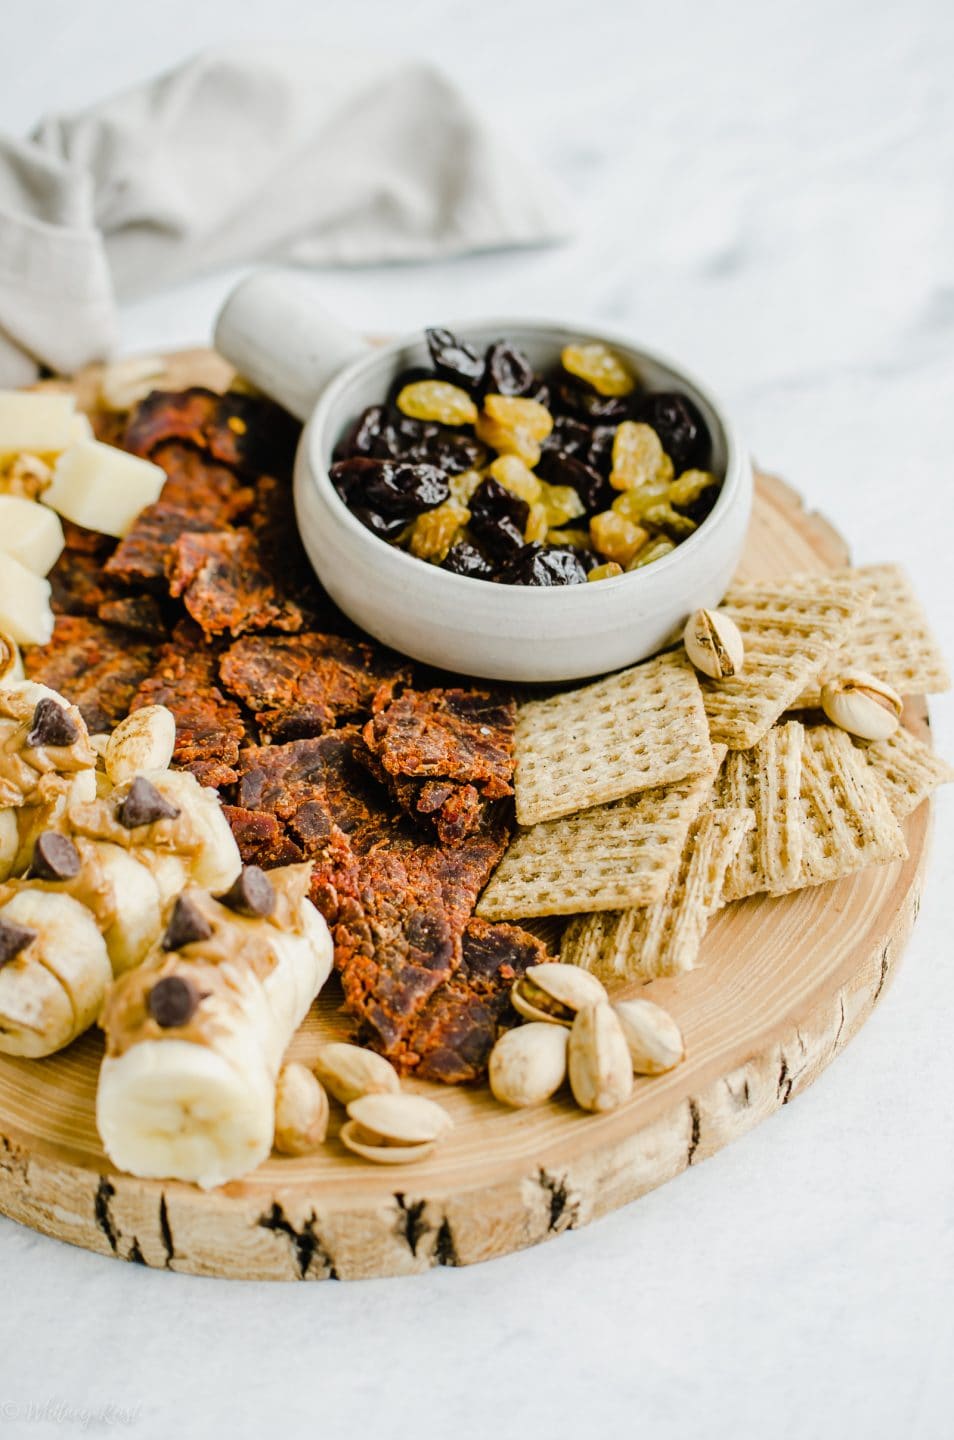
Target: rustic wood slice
(784, 985)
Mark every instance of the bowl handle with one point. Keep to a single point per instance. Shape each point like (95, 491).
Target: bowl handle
(277, 334)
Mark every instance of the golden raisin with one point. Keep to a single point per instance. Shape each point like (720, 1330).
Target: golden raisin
(633, 504)
(655, 550)
(615, 537)
(536, 527)
(690, 486)
(507, 441)
(434, 532)
(662, 516)
(600, 367)
(607, 571)
(638, 456)
(562, 503)
(514, 476)
(518, 413)
(571, 536)
(437, 400)
(462, 486)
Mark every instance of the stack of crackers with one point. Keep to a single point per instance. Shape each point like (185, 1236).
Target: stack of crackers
(647, 801)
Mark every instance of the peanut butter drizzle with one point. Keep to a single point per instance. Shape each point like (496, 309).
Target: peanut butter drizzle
(24, 768)
(91, 886)
(96, 819)
(226, 969)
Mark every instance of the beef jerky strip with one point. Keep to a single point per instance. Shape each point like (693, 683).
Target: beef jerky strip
(455, 1032)
(447, 755)
(201, 486)
(140, 558)
(98, 667)
(225, 586)
(260, 838)
(141, 613)
(79, 584)
(210, 729)
(245, 431)
(301, 685)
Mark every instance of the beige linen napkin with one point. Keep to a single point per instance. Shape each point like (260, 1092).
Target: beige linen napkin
(316, 157)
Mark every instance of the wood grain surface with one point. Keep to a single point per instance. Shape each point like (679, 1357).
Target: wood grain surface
(783, 985)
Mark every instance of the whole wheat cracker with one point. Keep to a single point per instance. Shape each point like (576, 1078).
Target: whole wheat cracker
(907, 770)
(605, 858)
(891, 640)
(664, 938)
(790, 628)
(637, 730)
(767, 781)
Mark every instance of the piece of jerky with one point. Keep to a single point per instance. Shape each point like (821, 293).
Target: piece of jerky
(260, 838)
(301, 685)
(225, 585)
(456, 1031)
(92, 542)
(140, 558)
(201, 486)
(98, 667)
(79, 584)
(275, 525)
(141, 613)
(210, 729)
(246, 431)
(312, 785)
(446, 754)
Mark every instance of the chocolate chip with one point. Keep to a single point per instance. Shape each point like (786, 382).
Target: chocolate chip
(252, 894)
(13, 939)
(186, 925)
(143, 805)
(173, 1001)
(52, 725)
(55, 857)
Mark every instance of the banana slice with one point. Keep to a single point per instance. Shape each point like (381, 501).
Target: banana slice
(67, 950)
(9, 842)
(135, 904)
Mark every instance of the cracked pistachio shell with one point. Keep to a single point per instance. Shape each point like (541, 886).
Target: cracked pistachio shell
(599, 1062)
(399, 1119)
(360, 1143)
(654, 1039)
(348, 1072)
(554, 993)
(862, 704)
(714, 644)
(528, 1065)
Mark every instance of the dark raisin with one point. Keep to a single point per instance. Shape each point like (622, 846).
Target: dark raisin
(389, 487)
(364, 434)
(600, 454)
(410, 376)
(558, 468)
(536, 566)
(386, 527)
(466, 559)
(680, 427)
(509, 372)
(572, 397)
(454, 359)
(498, 517)
(569, 435)
(452, 451)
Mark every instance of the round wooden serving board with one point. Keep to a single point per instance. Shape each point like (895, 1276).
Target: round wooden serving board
(783, 985)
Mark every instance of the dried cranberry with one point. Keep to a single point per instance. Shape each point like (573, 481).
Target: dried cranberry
(465, 559)
(535, 565)
(509, 372)
(390, 487)
(454, 359)
(572, 397)
(559, 468)
(680, 427)
(498, 517)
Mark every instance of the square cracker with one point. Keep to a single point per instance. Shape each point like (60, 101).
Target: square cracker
(767, 781)
(846, 818)
(891, 640)
(664, 938)
(638, 730)
(907, 770)
(606, 858)
(790, 628)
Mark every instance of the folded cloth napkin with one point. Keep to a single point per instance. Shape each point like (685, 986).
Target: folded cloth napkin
(315, 157)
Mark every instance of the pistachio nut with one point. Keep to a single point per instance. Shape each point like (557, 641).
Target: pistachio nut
(394, 1129)
(145, 740)
(301, 1111)
(528, 1065)
(348, 1072)
(654, 1039)
(554, 992)
(11, 661)
(862, 704)
(601, 1070)
(714, 644)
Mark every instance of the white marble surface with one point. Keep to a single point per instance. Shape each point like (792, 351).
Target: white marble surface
(765, 191)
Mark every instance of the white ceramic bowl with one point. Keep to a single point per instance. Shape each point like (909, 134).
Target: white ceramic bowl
(506, 632)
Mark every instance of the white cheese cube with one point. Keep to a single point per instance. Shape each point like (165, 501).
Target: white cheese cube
(30, 533)
(39, 421)
(25, 612)
(102, 488)
(79, 429)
